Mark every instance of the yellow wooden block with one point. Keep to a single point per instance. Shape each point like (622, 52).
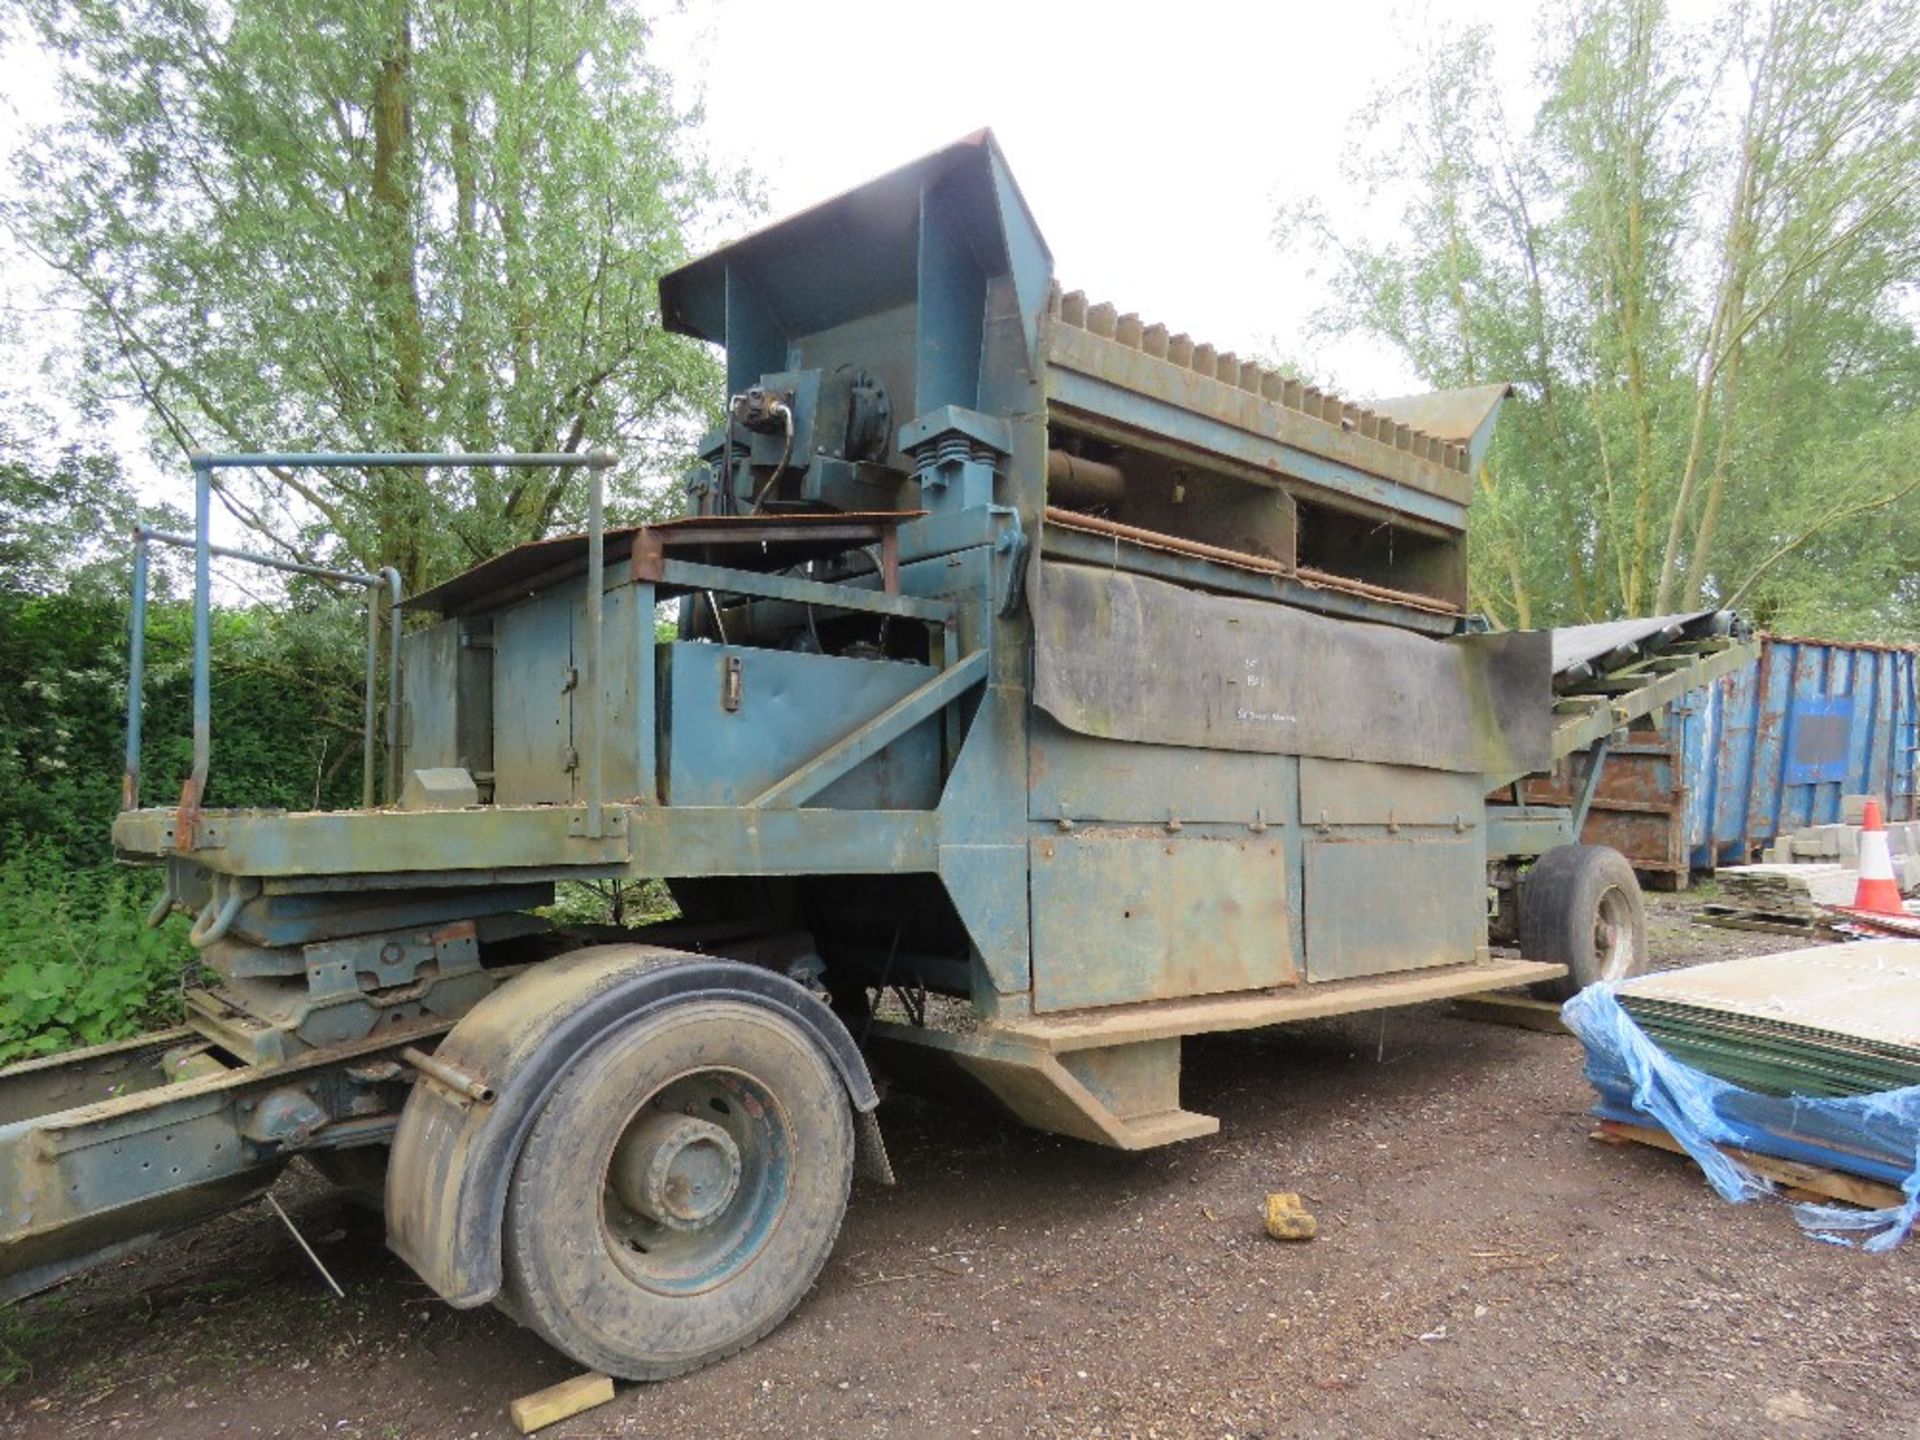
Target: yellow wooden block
(1288, 1219)
(557, 1402)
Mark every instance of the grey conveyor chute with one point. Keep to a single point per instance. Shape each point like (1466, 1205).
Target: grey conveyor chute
(1610, 674)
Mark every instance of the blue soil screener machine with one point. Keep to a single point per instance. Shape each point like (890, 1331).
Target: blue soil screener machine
(1076, 686)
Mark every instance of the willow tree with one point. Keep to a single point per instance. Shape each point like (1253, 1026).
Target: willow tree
(1696, 265)
(401, 224)
(1821, 227)
(1460, 284)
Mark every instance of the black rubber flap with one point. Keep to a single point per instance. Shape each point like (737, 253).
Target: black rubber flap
(1125, 657)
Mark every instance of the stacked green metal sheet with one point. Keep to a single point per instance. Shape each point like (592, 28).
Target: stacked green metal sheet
(1829, 1021)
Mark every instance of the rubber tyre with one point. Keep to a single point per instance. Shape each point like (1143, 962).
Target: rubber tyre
(1564, 901)
(563, 1279)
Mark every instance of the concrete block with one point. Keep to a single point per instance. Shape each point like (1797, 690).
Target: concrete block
(1906, 871)
(441, 788)
(1818, 842)
(1853, 809)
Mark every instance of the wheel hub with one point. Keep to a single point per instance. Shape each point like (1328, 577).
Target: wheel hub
(1613, 935)
(676, 1170)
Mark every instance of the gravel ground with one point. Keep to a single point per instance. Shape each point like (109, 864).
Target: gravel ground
(1483, 1267)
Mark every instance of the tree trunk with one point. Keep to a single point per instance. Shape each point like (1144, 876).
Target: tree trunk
(1723, 336)
(1704, 536)
(400, 508)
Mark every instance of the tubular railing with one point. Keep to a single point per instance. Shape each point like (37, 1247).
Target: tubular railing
(387, 578)
(145, 536)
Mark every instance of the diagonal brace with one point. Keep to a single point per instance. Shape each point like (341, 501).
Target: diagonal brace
(879, 732)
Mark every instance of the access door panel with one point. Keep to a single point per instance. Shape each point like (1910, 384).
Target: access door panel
(1119, 916)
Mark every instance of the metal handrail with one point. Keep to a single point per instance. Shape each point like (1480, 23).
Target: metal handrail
(387, 577)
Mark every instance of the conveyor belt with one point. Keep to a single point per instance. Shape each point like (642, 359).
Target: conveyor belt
(1606, 676)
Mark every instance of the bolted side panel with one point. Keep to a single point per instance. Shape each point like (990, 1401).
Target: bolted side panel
(738, 719)
(1122, 915)
(1375, 905)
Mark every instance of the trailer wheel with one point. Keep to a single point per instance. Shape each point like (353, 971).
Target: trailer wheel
(1580, 906)
(679, 1191)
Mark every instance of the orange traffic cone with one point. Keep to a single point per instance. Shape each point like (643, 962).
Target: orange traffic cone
(1878, 891)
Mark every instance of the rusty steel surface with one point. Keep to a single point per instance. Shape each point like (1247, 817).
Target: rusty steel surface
(1205, 1015)
(1145, 357)
(1592, 709)
(1639, 804)
(1244, 560)
(1169, 914)
(1764, 736)
(138, 1147)
(1774, 745)
(768, 543)
(1126, 1096)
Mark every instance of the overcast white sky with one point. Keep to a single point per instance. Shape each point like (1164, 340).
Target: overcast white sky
(1152, 141)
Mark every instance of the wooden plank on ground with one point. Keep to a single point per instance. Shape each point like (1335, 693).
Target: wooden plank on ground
(558, 1402)
(1765, 922)
(1829, 1184)
(1497, 1007)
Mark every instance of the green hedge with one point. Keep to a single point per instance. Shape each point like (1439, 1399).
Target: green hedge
(77, 964)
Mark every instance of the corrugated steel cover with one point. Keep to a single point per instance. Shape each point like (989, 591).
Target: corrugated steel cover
(1869, 990)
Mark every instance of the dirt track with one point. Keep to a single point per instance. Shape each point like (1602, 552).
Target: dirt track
(1482, 1268)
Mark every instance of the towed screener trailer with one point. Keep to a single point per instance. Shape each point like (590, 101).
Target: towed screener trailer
(1027, 655)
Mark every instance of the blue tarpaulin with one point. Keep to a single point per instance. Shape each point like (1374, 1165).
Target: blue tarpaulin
(1876, 1135)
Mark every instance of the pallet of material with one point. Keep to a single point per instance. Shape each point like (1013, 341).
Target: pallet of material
(1841, 842)
(1799, 1180)
(1839, 1020)
(1807, 1060)
(1788, 889)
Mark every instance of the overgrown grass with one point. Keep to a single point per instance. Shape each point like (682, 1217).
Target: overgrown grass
(23, 1330)
(78, 965)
